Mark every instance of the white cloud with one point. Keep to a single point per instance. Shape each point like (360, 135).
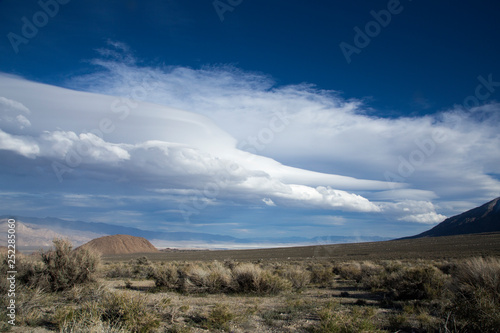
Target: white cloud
(13, 115)
(225, 131)
(447, 155)
(426, 218)
(18, 144)
(11, 106)
(412, 211)
(86, 147)
(159, 147)
(269, 202)
(328, 198)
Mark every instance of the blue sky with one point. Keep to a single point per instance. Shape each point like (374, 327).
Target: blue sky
(250, 118)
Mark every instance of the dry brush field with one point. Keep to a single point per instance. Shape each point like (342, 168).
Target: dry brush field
(451, 247)
(449, 284)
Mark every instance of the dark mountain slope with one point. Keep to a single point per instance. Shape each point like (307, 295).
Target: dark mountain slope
(485, 218)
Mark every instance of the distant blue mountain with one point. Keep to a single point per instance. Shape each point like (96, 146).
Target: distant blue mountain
(57, 224)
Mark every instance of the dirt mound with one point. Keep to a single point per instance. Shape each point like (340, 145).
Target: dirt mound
(120, 244)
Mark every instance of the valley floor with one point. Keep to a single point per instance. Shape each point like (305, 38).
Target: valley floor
(311, 290)
(299, 296)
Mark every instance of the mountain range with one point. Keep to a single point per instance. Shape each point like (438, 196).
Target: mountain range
(38, 232)
(485, 218)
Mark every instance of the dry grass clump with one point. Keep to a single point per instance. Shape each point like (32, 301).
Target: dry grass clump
(407, 282)
(119, 311)
(451, 296)
(476, 290)
(357, 271)
(337, 319)
(322, 274)
(165, 277)
(416, 283)
(29, 303)
(91, 326)
(250, 278)
(219, 318)
(217, 278)
(213, 278)
(349, 271)
(447, 267)
(297, 275)
(119, 270)
(135, 269)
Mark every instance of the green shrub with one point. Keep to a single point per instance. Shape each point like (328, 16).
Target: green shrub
(59, 269)
(142, 261)
(417, 283)
(423, 282)
(219, 318)
(166, 276)
(349, 271)
(64, 268)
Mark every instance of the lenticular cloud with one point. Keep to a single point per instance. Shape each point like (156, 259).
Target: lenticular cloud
(222, 136)
(155, 147)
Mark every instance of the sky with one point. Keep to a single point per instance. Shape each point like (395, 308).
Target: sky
(250, 118)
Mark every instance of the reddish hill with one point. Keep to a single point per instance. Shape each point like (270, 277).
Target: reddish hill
(120, 244)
